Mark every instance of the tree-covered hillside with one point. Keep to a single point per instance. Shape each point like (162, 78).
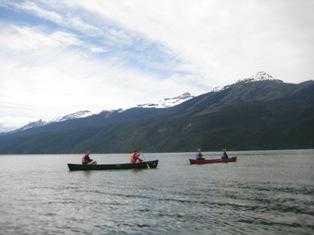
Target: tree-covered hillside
(250, 114)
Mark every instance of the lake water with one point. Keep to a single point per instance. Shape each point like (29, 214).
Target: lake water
(265, 192)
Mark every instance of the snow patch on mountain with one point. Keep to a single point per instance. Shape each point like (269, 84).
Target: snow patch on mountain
(108, 113)
(168, 102)
(71, 116)
(4, 129)
(261, 75)
(165, 103)
(31, 125)
(39, 123)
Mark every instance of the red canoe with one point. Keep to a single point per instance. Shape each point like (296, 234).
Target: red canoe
(209, 161)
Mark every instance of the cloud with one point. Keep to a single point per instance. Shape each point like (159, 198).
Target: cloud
(32, 7)
(224, 40)
(112, 40)
(21, 39)
(45, 75)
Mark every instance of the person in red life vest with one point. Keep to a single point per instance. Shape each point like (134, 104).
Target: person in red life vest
(86, 160)
(135, 157)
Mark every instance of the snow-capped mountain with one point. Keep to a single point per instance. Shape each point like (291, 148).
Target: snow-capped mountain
(168, 102)
(4, 129)
(165, 103)
(108, 113)
(79, 114)
(261, 75)
(32, 125)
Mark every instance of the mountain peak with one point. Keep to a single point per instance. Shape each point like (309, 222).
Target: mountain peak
(30, 125)
(79, 114)
(185, 95)
(261, 75)
(168, 102)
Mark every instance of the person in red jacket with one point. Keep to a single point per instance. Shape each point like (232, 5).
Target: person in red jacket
(135, 158)
(86, 160)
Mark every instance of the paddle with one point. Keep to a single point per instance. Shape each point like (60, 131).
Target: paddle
(145, 161)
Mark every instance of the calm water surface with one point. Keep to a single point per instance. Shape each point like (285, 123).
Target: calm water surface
(265, 192)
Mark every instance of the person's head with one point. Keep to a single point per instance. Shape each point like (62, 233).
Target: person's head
(87, 152)
(199, 150)
(135, 151)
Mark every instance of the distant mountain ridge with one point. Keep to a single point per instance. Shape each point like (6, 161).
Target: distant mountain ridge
(165, 103)
(40, 122)
(253, 113)
(30, 125)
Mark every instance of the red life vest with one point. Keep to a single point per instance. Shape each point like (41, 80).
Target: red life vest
(136, 157)
(86, 159)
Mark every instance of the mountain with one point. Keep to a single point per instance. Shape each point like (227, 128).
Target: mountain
(38, 123)
(168, 102)
(249, 114)
(79, 114)
(4, 129)
(165, 103)
(30, 125)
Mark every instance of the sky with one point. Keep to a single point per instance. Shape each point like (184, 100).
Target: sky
(62, 56)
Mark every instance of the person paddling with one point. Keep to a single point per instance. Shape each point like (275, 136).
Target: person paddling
(135, 157)
(224, 155)
(199, 155)
(86, 160)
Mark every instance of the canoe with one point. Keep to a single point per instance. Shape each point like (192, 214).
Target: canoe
(210, 161)
(143, 165)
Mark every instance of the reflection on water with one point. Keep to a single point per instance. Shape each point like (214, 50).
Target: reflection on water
(265, 192)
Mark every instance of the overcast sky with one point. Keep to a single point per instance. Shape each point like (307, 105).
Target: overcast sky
(58, 57)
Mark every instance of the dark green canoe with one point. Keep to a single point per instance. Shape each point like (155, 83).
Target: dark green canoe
(143, 165)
